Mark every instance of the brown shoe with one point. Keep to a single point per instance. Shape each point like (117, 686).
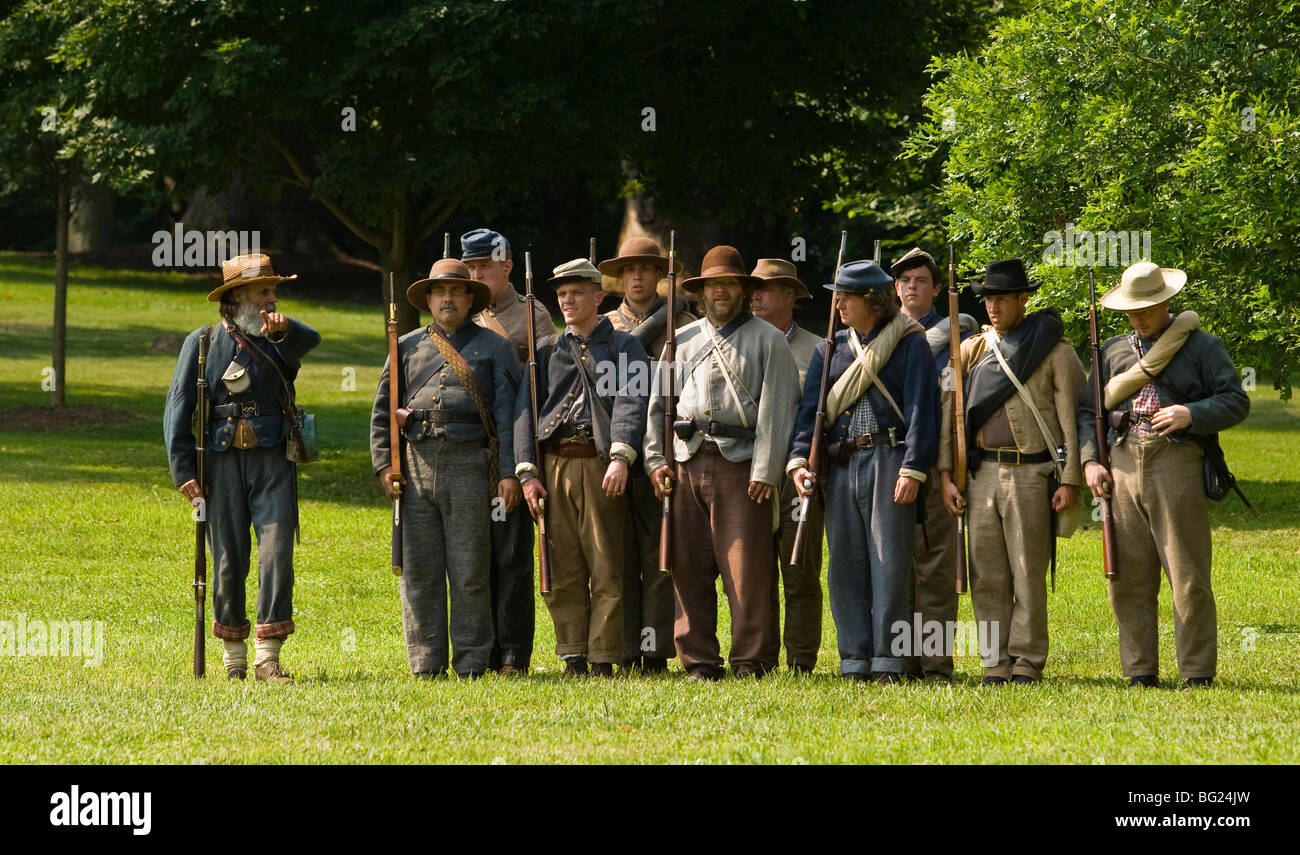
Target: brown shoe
(271, 672)
(510, 671)
(575, 668)
(602, 669)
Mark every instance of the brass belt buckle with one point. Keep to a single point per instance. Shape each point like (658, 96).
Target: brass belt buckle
(1011, 455)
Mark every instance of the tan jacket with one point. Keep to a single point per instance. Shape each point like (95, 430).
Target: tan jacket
(803, 344)
(1055, 388)
(509, 318)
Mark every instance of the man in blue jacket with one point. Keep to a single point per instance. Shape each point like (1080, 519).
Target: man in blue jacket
(883, 440)
(253, 359)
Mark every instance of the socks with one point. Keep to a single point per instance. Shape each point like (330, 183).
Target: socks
(268, 650)
(235, 656)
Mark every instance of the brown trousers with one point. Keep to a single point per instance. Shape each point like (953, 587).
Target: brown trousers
(720, 531)
(1010, 549)
(803, 583)
(585, 533)
(934, 571)
(1162, 520)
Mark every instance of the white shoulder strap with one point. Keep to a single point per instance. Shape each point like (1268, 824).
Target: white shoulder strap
(991, 337)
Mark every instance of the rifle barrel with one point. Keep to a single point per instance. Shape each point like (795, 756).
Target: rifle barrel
(959, 413)
(819, 422)
(667, 368)
(201, 520)
(1109, 542)
(394, 433)
(543, 548)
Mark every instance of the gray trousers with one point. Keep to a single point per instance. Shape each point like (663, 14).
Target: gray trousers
(934, 574)
(870, 571)
(251, 487)
(446, 548)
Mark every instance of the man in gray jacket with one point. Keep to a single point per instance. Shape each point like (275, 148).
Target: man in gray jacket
(1173, 389)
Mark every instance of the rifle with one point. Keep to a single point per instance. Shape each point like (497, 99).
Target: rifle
(201, 512)
(667, 367)
(958, 414)
(394, 435)
(815, 452)
(591, 251)
(543, 550)
(446, 244)
(1109, 544)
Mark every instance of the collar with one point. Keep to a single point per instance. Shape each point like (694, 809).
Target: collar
(461, 337)
(929, 319)
(602, 330)
(734, 324)
(630, 314)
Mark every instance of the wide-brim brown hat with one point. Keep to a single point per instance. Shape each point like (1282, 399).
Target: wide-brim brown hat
(722, 262)
(637, 250)
(451, 270)
(778, 271)
(243, 270)
(1142, 286)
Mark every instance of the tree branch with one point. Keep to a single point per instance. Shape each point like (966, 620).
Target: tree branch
(375, 238)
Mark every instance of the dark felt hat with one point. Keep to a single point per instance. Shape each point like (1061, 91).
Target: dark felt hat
(1004, 277)
(722, 262)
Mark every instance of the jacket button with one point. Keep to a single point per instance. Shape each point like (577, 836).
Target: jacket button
(230, 421)
(441, 386)
(570, 394)
(584, 347)
(566, 406)
(706, 412)
(425, 424)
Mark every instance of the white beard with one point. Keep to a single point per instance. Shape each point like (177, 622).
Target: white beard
(248, 318)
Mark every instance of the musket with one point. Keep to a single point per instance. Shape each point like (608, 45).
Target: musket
(394, 434)
(591, 251)
(958, 414)
(1109, 543)
(446, 244)
(543, 549)
(201, 512)
(815, 452)
(667, 369)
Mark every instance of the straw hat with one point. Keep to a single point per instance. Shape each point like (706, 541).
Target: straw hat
(246, 270)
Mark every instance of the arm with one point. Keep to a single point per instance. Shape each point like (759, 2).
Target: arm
(1067, 383)
(801, 440)
(1228, 404)
(380, 441)
(505, 401)
(653, 446)
(628, 419)
(777, 404)
(921, 408)
(178, 431)
(298, 341)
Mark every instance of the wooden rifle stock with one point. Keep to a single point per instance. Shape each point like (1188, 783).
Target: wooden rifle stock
(201, 511)
(667, 376)
(816, 451)
(957, 367)
(543, 548)
(1109, 544)
(394, 433)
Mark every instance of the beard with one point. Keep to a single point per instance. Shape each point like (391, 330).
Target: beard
(248, 318)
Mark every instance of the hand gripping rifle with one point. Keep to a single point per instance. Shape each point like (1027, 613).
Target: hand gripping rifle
(1109, 544)
(394, 434)
(667, 374)
(815, 452)
(958, 414)
(201, 511)
(543, 549)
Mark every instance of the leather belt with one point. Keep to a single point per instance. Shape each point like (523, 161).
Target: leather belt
(1013, 456)
(840, 452)
(236, 410)
(572, 449)
(436, 417)
(687, 428)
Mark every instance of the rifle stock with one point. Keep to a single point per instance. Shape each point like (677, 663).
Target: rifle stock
(815, 450)
(667, 373)
(394, 434)
(1109, 544)
(543, 548)
(201, 518)
(958, 415)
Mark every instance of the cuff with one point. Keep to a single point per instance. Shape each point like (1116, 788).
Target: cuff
(653, 463)
(624, 451)
(527, 471)
(795, 463)
(230, 633)
(280, 629)
(913, 473)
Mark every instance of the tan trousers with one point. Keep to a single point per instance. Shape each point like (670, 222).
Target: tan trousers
(585, 533)
(1162, 520)
(934, 571)
(803, 583)
(1010, 549)
(720, 531)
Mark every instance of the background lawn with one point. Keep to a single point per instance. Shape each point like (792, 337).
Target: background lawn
(92, 529)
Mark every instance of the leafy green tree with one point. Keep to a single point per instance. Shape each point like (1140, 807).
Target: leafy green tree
(1173, 118)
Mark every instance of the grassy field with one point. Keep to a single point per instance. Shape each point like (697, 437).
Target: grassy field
(91, 529)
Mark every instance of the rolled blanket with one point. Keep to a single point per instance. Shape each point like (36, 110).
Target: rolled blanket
(1121, 386)
(859, 376)
(938, 338)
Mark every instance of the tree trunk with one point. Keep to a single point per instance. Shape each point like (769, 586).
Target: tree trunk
(92, 219)
(58, 343)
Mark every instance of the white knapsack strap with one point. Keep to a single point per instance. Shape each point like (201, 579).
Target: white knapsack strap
(991, 338)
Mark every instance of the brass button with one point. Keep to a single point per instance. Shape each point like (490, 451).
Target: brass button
(570, 394)
(426, 424)
(706, 412)
(566, 405)
(441, 386)
(584, 347)
(230, 421)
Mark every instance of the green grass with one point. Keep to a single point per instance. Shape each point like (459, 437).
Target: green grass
(93, 530)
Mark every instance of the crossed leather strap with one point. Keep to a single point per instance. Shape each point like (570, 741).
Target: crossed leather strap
(467, 379)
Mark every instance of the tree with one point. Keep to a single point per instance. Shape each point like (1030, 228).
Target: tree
(1176, 120)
